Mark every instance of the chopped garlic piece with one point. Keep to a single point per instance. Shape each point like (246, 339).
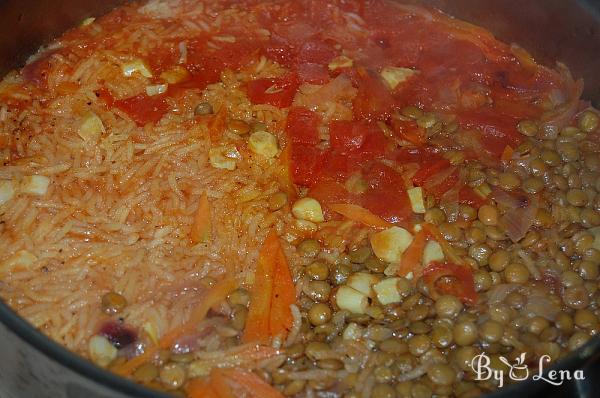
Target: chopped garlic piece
(21, 260)
(387, 291)
(308, 209)
(432, 252)
(137, 65)
(101, 351)
(340, 62)
(223, 157)
(416, 200)
(35, 185)
(156, 89)
(7, 191)
(352, 300)
(91, 128)
(264, 144)
(388, 245)
(175, 75)
(352, 332)
(394, 76)
(363, 282)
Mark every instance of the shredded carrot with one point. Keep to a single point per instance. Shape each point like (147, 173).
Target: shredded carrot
(198, 388)
(272, 294)
(221, 384)
(249, 383)
(217, 124)
(284, 295)
(412, 258)
(202, 227)
(508, 153)
(215, 295)
(284, 173)
(359, 214)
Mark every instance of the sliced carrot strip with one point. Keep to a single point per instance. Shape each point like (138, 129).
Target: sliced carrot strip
(359, 214)
(284, 295)
(202, 226)
(257, 323)
(215, 295)
(272, 294)
(284, 173)
(411, 260)
(198, 388)
(221, 384)
(249, 383)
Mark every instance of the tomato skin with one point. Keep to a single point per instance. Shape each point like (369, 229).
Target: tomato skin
(277, 92)
(143, 109)
(302, 126)
(461, 285)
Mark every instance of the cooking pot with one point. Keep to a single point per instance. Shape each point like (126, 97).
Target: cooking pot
(33, 366)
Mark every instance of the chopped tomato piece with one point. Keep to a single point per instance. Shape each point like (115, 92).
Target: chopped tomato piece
(467, 196)
(302, 125)
(143, 109)
(448, 278)
(359, 138)
(374, 100)
(277, 92)
(305, 163)
(317, 52)
(428, 169)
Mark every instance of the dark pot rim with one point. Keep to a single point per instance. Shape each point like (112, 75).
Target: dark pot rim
(77, 364)
(70, 360)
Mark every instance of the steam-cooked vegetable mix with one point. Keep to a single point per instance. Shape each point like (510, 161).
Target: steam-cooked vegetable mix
(299, 198)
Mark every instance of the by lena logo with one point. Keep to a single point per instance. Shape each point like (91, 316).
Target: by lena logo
(519, 370)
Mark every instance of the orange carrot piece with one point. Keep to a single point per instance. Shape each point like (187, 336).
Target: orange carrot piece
(215, 295)
(202, 226)
(284, 295)
(252, 385)
(411, 260)
(221, 384)
(257, 323)
(285, 175)
(507, 154)
(359, 214)
(197, 388)
(217, 124)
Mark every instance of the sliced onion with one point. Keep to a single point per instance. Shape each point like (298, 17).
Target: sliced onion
(530, 264)
(498, 293)
(540, 305)
(520, 214)
(567, 104)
